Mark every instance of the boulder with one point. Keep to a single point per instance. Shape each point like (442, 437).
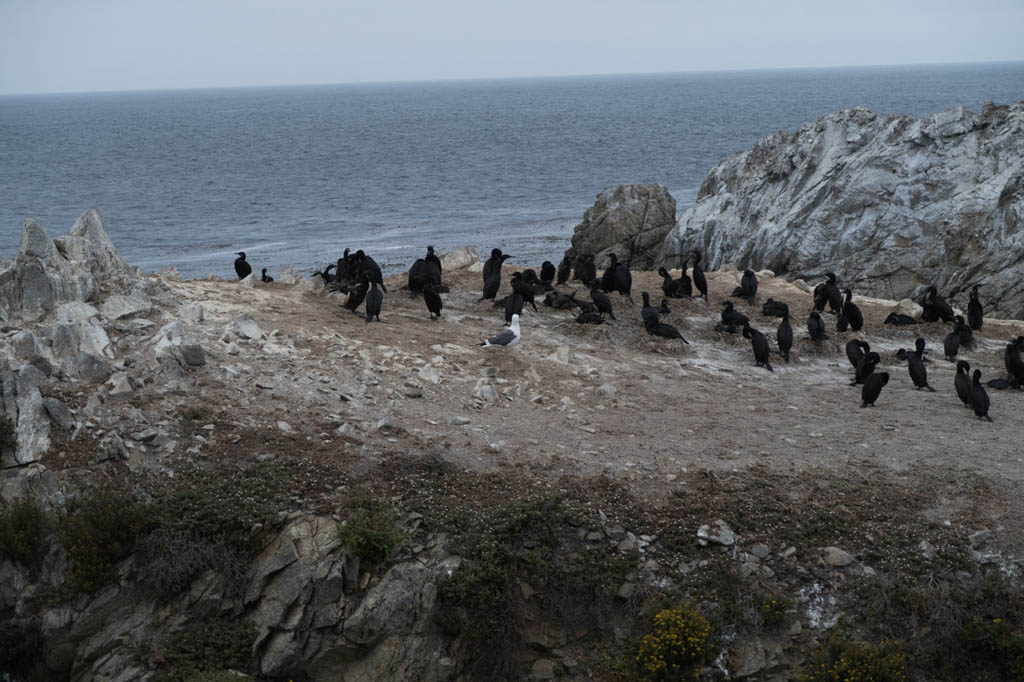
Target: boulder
(247, 328)
(888, 203)
(630, 221)
(118, 307)
(458, 258)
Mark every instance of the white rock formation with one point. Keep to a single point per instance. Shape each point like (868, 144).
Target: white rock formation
(888, 203)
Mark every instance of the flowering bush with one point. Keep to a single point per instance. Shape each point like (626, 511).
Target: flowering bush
(678, 642)
(845, 660)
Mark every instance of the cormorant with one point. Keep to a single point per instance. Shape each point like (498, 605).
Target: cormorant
(242, 268)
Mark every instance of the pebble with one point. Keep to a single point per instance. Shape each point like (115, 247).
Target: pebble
(285, 427)
(833, 556)
(717, 532)
(456, 421)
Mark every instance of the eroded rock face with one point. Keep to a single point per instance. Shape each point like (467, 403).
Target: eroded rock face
(888, 203)
(630, 221)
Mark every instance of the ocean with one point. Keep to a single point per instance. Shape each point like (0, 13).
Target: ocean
(293, 175)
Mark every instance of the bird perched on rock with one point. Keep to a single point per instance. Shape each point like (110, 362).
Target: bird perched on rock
(505, 338)
(732, 317)
(242, 268)
(265, 277)
(748, 286)
(564, 271)
(831, 293)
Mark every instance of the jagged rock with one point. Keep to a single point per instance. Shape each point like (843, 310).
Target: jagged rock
(459, 257)
(59, 413)
(888, 203)
(112, 447)
(630, 221)
(247, 328)
(120, 386)
(486, 392)
(118, 307)
(543, 669)
(192, 312)
(89, 244)
(248, 282)
(979, 538)
(26, 346)
(717, 532)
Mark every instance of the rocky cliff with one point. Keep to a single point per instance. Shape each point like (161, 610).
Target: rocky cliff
(889, 203)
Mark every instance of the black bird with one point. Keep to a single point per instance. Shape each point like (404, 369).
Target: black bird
(601, 300)
(671, 287)
(842, 324)
(347, 268)
(559, 300)
(564, 271)
(852, 312)
(617, 278)
(773, 308)
(585, 270)
(975, 313)
(899, 319)
(374, 300)
(915, 364)
(732, 317)
(759, 344)
(266, 277)
(699, 280)
(951, 345)
(865, 367)
(370, 270)
(748, 286)
(524, 288)
(664, 309)
(979, 397)
(491, 284)
(964, 331)
(832, 295)
(547, 272)
(494, 263)
(873, 388)
(417, 277)
(666, 331)
(1013, 362)
(962, 382)
(816, 328)
(999, 383)
(513, 306)
(820, 297)
(855, 350)
(433, 266)
(649, 312)
(784, 334)
(590, 318)
(242, 268)
(935, 307)
(325, 274)
(356, 296)
(433, 300)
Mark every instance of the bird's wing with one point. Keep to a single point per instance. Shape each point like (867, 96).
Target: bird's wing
(502, 338)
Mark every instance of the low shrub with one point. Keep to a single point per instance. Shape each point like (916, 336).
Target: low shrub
(102, 532)
(847, 660)
(370, 534)
(169, 560)
(204, 651)
(24, 532)
(675, 647)
(773, 610)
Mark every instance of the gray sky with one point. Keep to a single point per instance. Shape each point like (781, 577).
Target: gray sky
(86, 45)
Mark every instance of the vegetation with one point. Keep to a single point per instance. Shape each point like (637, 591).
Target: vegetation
(370, 532)
(24, 532)
(846, 660)
(203, 652)
(677, 644)
(102, 532)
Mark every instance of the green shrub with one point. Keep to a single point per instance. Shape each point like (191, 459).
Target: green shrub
(24, 532)
(846, 660)
(370, 534)
(204, 651)
(99, 535)
(8, 433)
(677, 644)
(773, 610)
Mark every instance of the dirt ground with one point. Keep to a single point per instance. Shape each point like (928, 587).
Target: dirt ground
(574, 400)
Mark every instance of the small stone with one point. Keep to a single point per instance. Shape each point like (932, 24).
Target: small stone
(145, 436)
(927, 550)
(429, 373)
(607, 390)
(193, 354)
(232, 349)
(412, 392)
(615, 532)
(192, 312)
(120, 386)
(486, 393)
(761, 551)
(247, 328)
(833, 556)
(717, 532)
(496, 446)
(979, 538)
(59, 413)
(456, 421)
(285, 427)
(544, 669)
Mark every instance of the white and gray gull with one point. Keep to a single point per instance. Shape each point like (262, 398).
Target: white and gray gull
(506, 338)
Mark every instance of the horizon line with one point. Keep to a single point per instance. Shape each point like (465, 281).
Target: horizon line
(477, 79)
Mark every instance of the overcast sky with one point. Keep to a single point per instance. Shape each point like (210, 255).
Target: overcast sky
(86, 45)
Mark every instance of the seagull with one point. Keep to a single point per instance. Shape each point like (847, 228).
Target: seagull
(505, 338)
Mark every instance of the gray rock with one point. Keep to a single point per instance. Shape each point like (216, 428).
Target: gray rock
(888, 203)
(717, 532)
(247, 328)
(927, 549)
(543, 669)
(978, 539)
(33, 425)
(630, 221)
(120, 386)
(118, 307)
(459, 257)
(761, 551)
(833, 556)
(607, 390)
(456, 421)
(112, 448)
(26, 346)
(486, 393)
(192, 312)
(193, 354)
(59, 413)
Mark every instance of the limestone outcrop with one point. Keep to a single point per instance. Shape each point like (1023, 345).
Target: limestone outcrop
(630, 221)
(888, 203)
